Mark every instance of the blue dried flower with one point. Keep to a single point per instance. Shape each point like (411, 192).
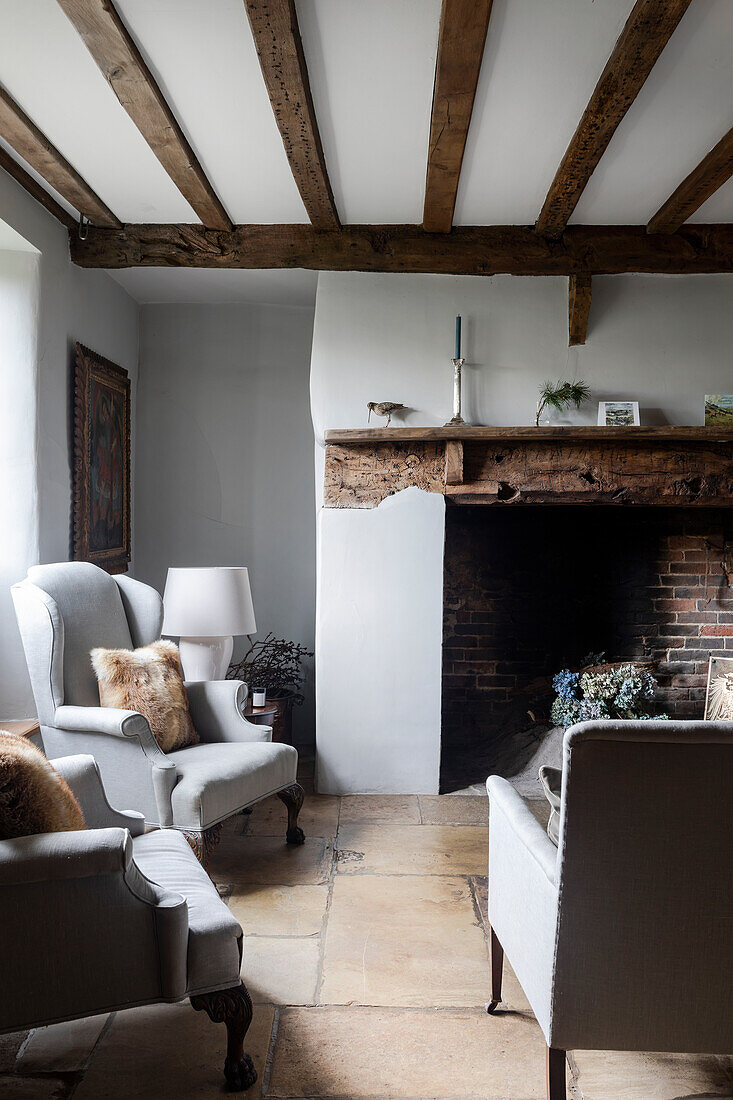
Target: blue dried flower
(565, 683)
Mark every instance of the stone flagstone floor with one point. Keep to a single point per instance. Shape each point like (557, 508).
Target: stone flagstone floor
(366, 959)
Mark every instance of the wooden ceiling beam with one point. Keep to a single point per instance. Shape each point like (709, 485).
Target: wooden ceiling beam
(711, 173)
(579, 295)
(461, 41)
(123, 67)
(279, 48)
(646, 33)
(467, 250)
(22, 135)
(34, 189)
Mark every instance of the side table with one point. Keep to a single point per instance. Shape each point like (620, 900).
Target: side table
(262, 716)
(23, 727)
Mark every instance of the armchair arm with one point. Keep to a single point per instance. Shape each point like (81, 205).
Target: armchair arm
(216, 709)
(136, 772)
(523, 894)
(115, 937)
(49, 857)
(527, 829)
(118, 723)
(82, 775)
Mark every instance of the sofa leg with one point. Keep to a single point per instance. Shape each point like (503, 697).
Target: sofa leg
(556, 1087)
(293, 798)
(232, 1007)
(496, 952)
(203, 844)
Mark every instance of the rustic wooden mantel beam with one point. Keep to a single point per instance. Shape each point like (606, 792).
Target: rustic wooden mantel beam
(124, 68)
(711, 173)
(516, 466)
(647, 31)
(279, 48)
(469, 250)
(461, 41)
(579, 295)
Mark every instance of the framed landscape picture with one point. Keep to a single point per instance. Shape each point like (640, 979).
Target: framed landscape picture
(101, 469)
(719, 410)
(618, 414)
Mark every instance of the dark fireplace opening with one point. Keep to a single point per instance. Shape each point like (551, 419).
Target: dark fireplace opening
(532, 589)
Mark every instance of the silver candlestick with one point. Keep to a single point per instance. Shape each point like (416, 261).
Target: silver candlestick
(456, 418)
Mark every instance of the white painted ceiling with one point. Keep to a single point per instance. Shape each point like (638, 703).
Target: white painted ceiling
(371, 65)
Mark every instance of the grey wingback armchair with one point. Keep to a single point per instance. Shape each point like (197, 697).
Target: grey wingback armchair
(112, 917)
(66, 610)
(622, 937)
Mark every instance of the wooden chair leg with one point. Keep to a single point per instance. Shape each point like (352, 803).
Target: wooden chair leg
(556, 1086)
(496, 952)
(232, 1007)
(293, 798)
(203, 844)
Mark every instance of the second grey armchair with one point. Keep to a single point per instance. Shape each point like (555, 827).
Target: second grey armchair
(111, 917)
(66, 610)
(621, 936)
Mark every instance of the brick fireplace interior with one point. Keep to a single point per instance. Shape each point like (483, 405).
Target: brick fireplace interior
(531, 589)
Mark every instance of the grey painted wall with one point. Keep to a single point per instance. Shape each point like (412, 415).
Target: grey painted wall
(662, 340)
(19, 279)
(225, 456)
(72, 305)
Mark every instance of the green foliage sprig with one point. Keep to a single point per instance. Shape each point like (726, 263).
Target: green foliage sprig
(560, 395)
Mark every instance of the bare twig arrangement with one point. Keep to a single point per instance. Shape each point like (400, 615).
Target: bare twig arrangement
(272, 663)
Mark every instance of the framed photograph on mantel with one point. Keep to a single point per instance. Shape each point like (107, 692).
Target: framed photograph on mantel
(618, 414)
(101, 469)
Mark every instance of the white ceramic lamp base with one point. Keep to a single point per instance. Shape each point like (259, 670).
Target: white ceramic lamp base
(206, 658)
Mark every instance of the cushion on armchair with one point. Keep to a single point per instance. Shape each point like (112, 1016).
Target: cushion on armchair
(148, 680)
(34, 798)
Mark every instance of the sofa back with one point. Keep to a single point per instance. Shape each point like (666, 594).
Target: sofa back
(644, 951)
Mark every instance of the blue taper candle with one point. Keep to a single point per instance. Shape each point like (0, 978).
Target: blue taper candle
(458, 338)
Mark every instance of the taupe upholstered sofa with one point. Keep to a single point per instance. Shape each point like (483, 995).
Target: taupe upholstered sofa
(622, 936)
(113, 917)
(66, 610)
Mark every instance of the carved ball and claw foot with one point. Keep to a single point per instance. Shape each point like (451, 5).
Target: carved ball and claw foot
(293, 798)
(232, 1007)
(203, 844)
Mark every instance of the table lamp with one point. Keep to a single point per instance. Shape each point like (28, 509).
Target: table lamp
(204, 608)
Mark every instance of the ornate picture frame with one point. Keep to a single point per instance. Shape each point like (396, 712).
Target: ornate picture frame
(719, 694)
(101, 466)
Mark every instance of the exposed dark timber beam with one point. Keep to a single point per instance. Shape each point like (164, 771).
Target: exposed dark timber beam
(110, 44)
(710, 174)
(579, 295)
(647, 31)
(33, 187)
(461, 41)
(474, 250)
(26, 139)
(276, 34)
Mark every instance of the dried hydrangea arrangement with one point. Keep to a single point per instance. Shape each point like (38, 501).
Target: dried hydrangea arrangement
(623, 692)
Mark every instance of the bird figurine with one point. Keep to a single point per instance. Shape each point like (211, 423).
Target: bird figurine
(384, 408)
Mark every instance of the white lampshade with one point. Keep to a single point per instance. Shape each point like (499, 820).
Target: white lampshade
(208, 602)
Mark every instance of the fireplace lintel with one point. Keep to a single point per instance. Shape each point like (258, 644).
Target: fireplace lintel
(666, 465)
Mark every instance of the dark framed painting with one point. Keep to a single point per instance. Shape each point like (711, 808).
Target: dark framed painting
(101, 472)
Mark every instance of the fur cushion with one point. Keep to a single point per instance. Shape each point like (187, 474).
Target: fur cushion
(148, 680)
(34, 798)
